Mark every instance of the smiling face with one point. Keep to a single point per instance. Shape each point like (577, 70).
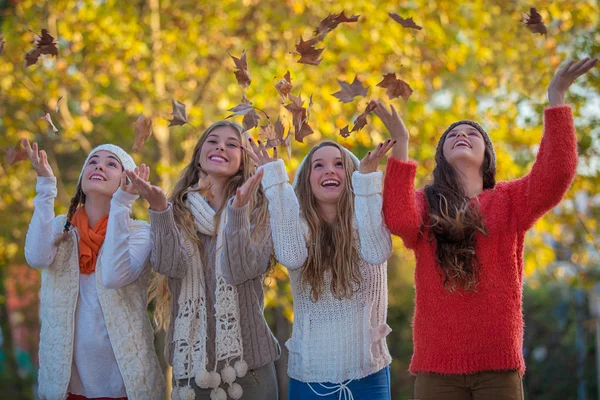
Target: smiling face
(220, 155)
(327, 175)
(464, 143)
(102, 174)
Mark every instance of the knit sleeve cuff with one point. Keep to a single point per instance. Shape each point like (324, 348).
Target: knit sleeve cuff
(162, 220)
(367, 184)
(124, 198)
(275, 174)
(46, 185)
(562, 111)
(400, 170)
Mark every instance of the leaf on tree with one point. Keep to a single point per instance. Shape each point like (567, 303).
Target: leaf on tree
(308, 53)
(143, 130)
(250, 120)
(179, 114)
(44, 44)
(349, 91)
(395, 87)
(332, 21)
(406, 23)
(1, 44)
(361, 120)
(284, 86)
(48, 118)
(57, 104)
(15, 154)
(534, 23)
(344, 132)
(299, 116)
(241, 73)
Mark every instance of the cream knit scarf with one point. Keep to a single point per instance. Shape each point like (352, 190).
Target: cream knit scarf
(189, 337)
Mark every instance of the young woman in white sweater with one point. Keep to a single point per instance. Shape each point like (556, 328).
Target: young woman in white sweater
(96, 340)
(331, 236)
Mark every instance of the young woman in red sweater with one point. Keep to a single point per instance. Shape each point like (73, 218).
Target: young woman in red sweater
(467, 232)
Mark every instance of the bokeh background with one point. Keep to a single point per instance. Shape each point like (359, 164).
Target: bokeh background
(472, 59)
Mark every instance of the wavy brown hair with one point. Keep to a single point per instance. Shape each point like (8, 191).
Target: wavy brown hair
(454, 219)
(188, 183)
(332, 245)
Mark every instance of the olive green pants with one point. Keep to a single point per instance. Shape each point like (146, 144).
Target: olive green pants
(488, 385)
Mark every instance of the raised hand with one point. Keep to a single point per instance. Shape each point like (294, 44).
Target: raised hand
(397, 129)
(153, 194)
(127, 186)
(370, 162)
(244, 193)
(564, 78)
(259, 153)
(39, 159)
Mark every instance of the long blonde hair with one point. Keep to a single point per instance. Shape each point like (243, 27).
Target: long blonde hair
(332, 245)
(187, 183)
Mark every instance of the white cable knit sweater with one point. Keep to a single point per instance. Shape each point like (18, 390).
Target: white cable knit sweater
(105, 310)
(334, 340)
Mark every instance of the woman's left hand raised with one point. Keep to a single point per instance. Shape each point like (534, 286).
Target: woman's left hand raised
(244, 193)
(564, 78)
(371, 161)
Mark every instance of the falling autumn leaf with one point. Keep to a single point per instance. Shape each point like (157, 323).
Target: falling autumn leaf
(143, 130)
(284, 86)
(241, 73)
(273, 134)
(534, 23)
(250, 120)
(242, 108)
(1, 44)
(179, 114)
(361, 120)
(332, 21)
(344, 132)
(56, 108)
(44, 44)
(299, 116)
(308, 53)
(395, 87)
(406, 23)
(349, 91)
(48, 118)
(15, 154)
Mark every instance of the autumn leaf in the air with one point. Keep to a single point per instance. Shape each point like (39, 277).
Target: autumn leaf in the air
(308, 53)
(395, 87)
(344, 132)
(246, 109)
(241, 73)
(15, 154)
(1, 44)
(299, 116)
(349, 91)
(332, 21)
(56, 108)
(250, 120)
(361, 120)
(407, 23)
(273, 134)
(284, 86)
(143, 130)
(44, 44)
(179, 114)
(534, 23)
(48, 118)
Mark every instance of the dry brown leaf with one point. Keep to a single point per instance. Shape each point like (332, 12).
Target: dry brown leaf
(273, 134)
(250, 120)
(48, 118)
(15, 154)
(361, 120)
(299, 116)
(534, 23)
(395, 87)
(56, 108)
(406, 23)
(241, 109)
(349, 91)
(179, 114)
(44, 44)
(241, 73)
(344, 132)
(308, 53)
(143, 130)
(2, 44)
(332, 21)
(284, 86)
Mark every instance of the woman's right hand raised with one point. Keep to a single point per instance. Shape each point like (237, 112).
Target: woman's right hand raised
(39, 159)
(154, 195)
(397, 129)
(259, 153)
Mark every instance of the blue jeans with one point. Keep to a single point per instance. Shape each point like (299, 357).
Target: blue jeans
(373, 387)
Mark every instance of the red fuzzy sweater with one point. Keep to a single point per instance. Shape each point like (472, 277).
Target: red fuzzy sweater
(463, 333)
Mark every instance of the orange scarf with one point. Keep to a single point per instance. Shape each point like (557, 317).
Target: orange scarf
(90, 239)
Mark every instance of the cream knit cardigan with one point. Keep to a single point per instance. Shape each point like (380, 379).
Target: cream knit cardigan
(334, 340)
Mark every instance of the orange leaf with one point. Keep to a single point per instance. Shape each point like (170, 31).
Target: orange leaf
(241, 73)
(395, 87)
(284, 86)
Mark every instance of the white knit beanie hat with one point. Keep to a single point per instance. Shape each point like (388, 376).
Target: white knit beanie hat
(354, 159)
(122, 155)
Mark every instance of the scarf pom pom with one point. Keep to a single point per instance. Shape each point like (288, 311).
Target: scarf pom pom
(186, 393)
(235, 391)
(215, 379)
(218, 394)
(241, 368)
(228, 374)
(203, 379)
(175, 394)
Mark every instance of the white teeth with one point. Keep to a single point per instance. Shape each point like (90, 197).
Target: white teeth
(330, 182)
(217, 158)
(462, 143)
(96, 178)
